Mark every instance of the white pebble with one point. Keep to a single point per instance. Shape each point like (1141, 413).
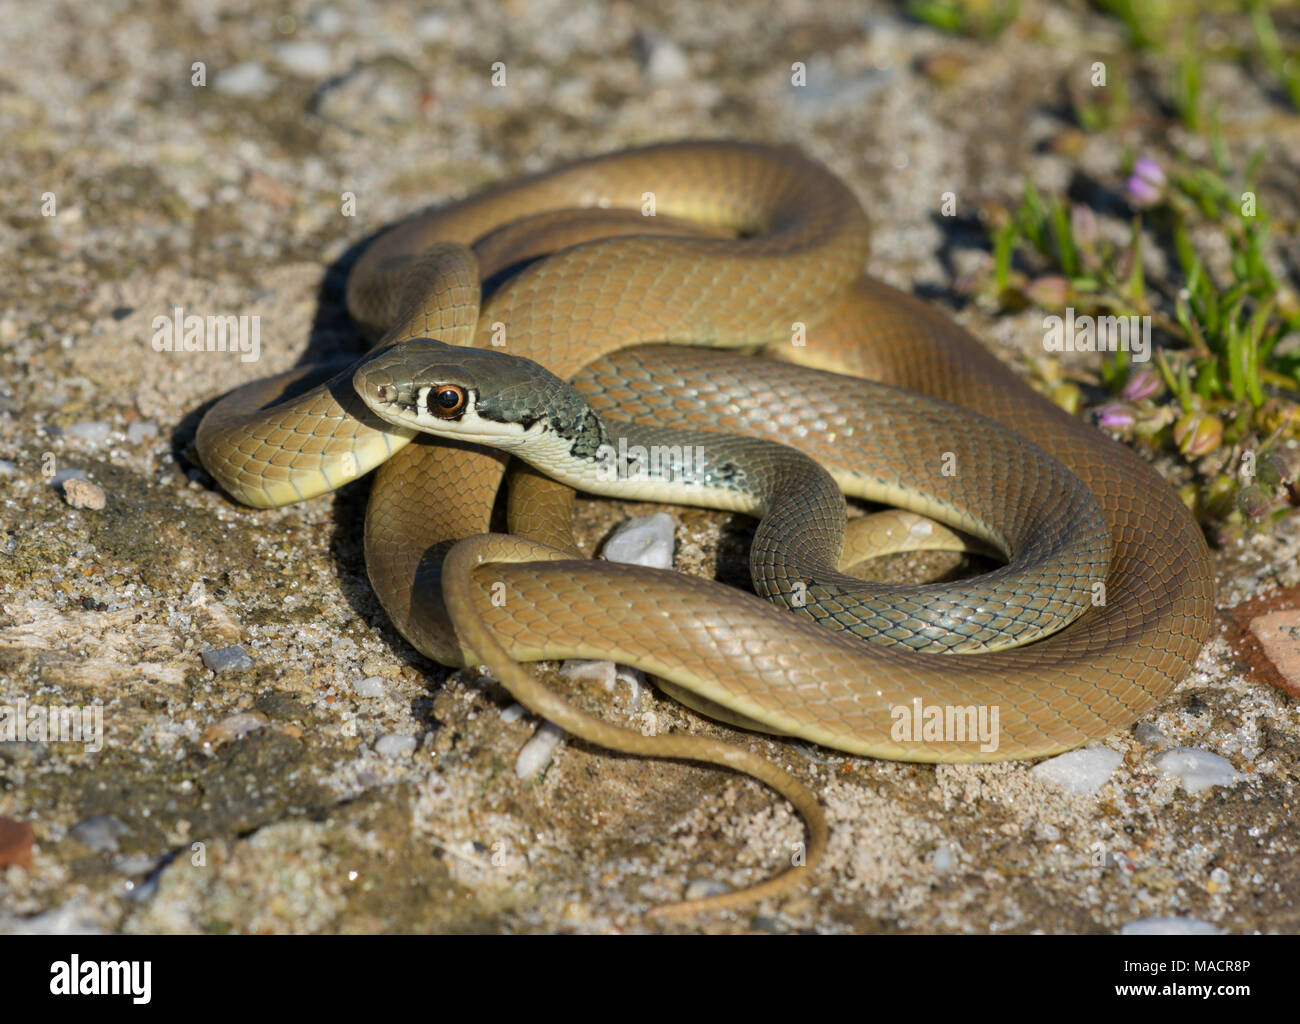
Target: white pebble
(646, 540)
(371, 686)
(662, 59)
(1197, 769)
(94, 432)
(394, 744)
(702, 888)
(8, 468)
(1080, 771)
(1170, 926)
(304, 57)
(513, 713)
(607, 673)
(943, 858)
(247, 79)
(536, 754)
(141, 431)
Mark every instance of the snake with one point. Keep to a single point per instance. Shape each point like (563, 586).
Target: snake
(649, 280)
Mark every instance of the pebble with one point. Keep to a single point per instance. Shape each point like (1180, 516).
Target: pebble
(645, 540)
(1149, 735)
(141, 431)
(1080, 771)
(536, 754)
(1197, 769)
(93, 432)
(233, 727)
(607, 673)
(513, 713)
(16, 839)
(249, 79)
(371, 686)
(662, 60)
(1170, 926)
(100, 833)
(226, 659)
(80, 493)
(702, 888)
(304, 57)
(943, 859)
(394, 745)
(8, 468)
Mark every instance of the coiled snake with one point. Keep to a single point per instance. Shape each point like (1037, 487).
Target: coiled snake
(748, 245)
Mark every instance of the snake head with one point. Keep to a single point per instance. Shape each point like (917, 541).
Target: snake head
(471, 394)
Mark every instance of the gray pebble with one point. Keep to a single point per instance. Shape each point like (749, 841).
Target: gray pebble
(1149, 735)
(91, 431)
(140, 431)
(8, 468)
(394, 745)
(226, 659)
(100, 833)
(63, 475)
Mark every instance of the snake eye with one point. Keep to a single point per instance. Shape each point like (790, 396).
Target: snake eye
(448, 400)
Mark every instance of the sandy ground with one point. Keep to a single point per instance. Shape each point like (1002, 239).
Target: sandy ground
(289, 796)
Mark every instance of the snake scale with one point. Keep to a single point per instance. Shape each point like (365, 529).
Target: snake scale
(749, 246)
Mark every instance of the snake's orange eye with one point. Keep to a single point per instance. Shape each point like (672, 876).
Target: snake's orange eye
(448, 400)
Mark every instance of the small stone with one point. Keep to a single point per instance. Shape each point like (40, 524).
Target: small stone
(395, 745)
(513, 713)
(1080, 771)
(100, 833)
(702, 888)
(16, 839)
(662, 60)
(93, 432)
(8, 468)
(536, 754)
(250, 80)
(234, 727)
(226, 659)
(371, 686)
(645, 540)
(1149, 735)
(304, 57)
(83, 494)
(1197, 769)
(141, 431)
(943, 859)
